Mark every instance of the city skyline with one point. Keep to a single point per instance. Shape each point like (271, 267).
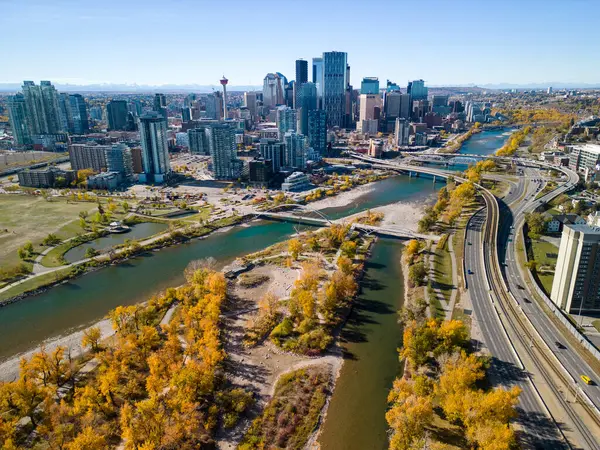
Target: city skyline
(458, 44)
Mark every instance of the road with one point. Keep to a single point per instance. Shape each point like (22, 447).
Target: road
(514, 215)
(506, 369)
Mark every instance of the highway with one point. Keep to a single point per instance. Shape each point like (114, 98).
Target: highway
(539, 430)
(514, 215)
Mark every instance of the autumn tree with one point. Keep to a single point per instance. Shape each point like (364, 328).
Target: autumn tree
(91, 338)
(294, 248)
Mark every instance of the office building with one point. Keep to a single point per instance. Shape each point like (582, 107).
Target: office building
(119, 160)
(295, 150)
(419, 108)
(250, 102)
(17, 116)
(286, 120)
(273, 90)
(417, 90)
(260, 172)
(317, 131)
(369, 85)
(297, 181)
(214, 106)
(155, 153)
(439, 100)
(301, 72)
(96, 113)
(368, 126)
(222, 148)
(160, 105)
(317, 78)
(42, 108)
(370, 106)
(335, 82)
(306, 102)
(576, 285)
(274, 151)
(47, 178)
(186, 114)
(116, 113)
(79, 114)
(585, 157)
(86, 156)
(401, 132)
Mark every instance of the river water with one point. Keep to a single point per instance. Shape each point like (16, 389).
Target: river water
(84, 300)
(356, 415)
(486, 142)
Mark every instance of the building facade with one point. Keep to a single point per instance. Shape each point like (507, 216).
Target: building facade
(317, 131)
(295, 150)
(369, 85)
(401, 132)
(17, 115)
(47, 178)
(297, 181)
(306, 102)
(119, 160)
(222, 148)
(287, 120)
(116, 114)
(335, 82)
(41, 105)
(273, 90)
(155, 150)
(585, 157)
(86, 156)
(576, 285)
(274, 151)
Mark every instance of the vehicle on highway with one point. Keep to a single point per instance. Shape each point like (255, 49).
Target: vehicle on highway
(587, 380)
(469, 243)
(469, 271)
(527, 300)
(559, 345)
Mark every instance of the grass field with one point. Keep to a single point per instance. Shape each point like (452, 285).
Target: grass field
(442, 264)
(31, 218)
(34, 283)
(544, 254)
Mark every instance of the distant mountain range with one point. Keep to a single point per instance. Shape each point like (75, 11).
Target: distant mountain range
(203, 88)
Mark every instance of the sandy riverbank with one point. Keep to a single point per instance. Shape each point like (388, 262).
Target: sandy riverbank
(343, 198)
(9, 369)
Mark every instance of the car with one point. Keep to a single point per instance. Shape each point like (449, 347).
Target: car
(469, 243)
(520, 287)
(587, 380)
(559, 345)
(469, 271)
(527, 300)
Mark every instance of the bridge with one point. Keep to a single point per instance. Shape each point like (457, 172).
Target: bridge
(388, 231)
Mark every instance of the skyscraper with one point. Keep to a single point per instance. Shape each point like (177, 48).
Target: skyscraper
(116, 112)
(17, 115)
(214, 105)
(41, 106)
(198, 139)
(273, 90)
(79, 114)
(286, 120)
(369, 85)
(417, 90)
(317, 78)
(155, 152)
(160, 105)
(250, 103)
(66, 115)
(306, 102)
(368, 105)
(301, 72)
(401, 132)
(317, 130)
(295, 150)
(222, 147)
(335, 82)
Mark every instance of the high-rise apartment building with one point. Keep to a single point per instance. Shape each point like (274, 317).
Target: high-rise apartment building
(335, 82)
(116, 113)
(214, 106)
(274, 151)
(286, 120)
(41, 105)
(79, 114)
(155, 150)
(369, 85)
(160, 105)
(402, 131)
(17, 115)
(119, 159)
(222, 147)
(198, 139)
(295, 150)
(576, 285)
(317, 131)
(66, 115)
(86, 156)
(306, 102)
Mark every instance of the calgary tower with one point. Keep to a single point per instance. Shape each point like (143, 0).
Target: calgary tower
(224, 84)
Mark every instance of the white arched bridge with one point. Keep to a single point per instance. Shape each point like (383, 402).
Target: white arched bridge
(324, 221)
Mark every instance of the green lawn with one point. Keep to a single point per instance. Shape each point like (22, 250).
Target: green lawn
(34, 283)
(545, 254)
(31, 218)
(442, 263)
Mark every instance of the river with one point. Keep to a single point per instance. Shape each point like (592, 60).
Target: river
(356, 415)
(486, 142)
(84, 300)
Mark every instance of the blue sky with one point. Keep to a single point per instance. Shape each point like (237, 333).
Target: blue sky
(155, 42)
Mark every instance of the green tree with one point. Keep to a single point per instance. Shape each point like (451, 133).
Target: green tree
(417, 273)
